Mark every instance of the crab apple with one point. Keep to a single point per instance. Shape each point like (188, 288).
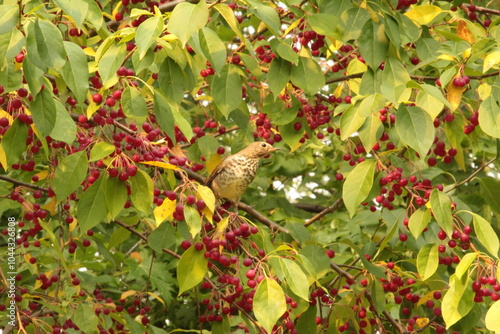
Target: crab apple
(97, 98)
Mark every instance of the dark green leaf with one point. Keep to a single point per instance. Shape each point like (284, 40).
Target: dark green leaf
(373, 43)
(415, 128)
(75, 71)
(43, 110)
(13, 142)
(226, 90)
(134, 104)
(162, 237)
(490, 192)
(171, 80)
(164, 116)
(45, 45)
(92, 208)
(116, 196)
(142, 191)
(308, 75)
(278, 76)
(65, 128)
(70, 173)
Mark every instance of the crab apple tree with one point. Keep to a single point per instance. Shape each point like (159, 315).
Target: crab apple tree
(379, 213)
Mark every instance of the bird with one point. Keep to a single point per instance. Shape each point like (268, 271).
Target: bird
(230, 179)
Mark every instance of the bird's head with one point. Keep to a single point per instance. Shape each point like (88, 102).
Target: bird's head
(258, 150)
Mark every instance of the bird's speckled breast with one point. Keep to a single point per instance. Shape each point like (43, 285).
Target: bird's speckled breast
(237, 174)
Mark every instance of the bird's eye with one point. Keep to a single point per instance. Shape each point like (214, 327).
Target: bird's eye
(263, 145)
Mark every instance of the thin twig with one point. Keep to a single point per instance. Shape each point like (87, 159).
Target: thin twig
(329, 209)
(24, 184)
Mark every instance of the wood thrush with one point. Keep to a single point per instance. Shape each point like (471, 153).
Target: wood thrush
(232, 176)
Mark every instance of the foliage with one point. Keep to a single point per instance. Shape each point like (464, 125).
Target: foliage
(380, 213)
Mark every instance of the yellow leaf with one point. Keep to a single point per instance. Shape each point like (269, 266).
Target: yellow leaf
(206, 194)
(422, 322)
(3, 158)
(213, 162)
(454, 94)
(165, 165)
(51, 206)
(42, 175)
(492, 319)
(484, 90)
(221, 227)
(154, 295)
(164, 211)
(136, 256)
(89, 52)
(128, 293)
(464, 32)
(446, 57)
(423, 15)
(491, 60)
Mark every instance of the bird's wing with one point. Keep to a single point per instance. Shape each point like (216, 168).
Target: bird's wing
(214, 173)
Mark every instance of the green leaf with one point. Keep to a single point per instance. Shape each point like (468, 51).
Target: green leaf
(378, 295)
(252, 65)
(226, 90)
(371, 104)
(318, 259)
(171, 80)
(75, 72)
(370, 132)
(284, 50)
(65, 128)
(14, 141)
(290, 135)
(13, 42)
(373, 43)
(142, 191)
(186, 19)
(45, 45)
(116, 196)
(34, 76)
(134, 104)
(267, 14)
(465, 263)
(101, 150)
(296, 278)
(307, 321)
(75, 8)
(492, 319)
(162, 237)
(119, 236)
(352, 22)
(278, 75)
(213, 48)
(147, 33)
(415, 128)
(489, 116)
(164, 116)
(193, 220)
(182, 123)
(441, 209)
(9, 15)
(92, 208)
(111, 61)
(43, 111)
(10, 78)
(458, 300)
(85, 318)
(427, 261)
(308, 75)
(394, 80)
(418, 221)
(95, 17)
(490, 192)
(269, 303)
(486, 234)
(325, 24)
(191, 269)
(350, 121)
(357, 185)
(69, 175)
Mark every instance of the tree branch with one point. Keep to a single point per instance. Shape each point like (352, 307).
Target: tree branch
(327, 210)
(24, 184)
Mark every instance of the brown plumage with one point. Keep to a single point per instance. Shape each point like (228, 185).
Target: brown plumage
(232, 176)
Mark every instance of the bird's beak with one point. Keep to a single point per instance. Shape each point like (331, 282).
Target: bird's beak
(275, 149)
